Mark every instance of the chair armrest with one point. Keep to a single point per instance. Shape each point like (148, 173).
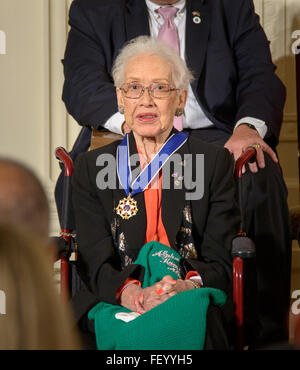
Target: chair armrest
(248, 156)
(62, 247)
(62, 155)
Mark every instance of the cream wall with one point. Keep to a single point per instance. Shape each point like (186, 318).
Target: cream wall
(33, 119)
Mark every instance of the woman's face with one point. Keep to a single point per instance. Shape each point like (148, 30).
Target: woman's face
(148, 116)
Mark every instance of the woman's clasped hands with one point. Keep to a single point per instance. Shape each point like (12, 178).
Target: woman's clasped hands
(141, 300)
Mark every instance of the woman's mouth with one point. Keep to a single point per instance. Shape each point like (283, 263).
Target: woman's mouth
(147, 117)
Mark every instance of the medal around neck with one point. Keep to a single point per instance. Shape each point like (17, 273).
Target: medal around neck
(127, 207)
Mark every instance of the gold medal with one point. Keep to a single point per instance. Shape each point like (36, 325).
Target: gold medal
(127, 208)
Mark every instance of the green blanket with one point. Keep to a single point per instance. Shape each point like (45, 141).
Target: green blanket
(177, 324)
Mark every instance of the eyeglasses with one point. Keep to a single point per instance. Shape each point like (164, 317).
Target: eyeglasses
(135, 90)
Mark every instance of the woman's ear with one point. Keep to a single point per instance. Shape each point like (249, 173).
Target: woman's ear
(182, 97)
(119, 97)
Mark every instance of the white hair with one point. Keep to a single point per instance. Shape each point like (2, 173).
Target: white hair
(146, 45)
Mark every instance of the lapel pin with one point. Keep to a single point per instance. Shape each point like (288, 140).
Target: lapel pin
(196, 18)
(177, 182)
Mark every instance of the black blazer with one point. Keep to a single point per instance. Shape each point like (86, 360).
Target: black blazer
(227, 51)
(215, 221)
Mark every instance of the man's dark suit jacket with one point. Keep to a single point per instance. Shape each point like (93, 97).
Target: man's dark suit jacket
(227, 51)
(215, 223)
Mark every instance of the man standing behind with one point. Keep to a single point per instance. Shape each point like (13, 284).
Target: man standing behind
(236, 101)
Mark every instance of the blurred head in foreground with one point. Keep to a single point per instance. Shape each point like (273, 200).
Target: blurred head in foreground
(32, 315)
(23, 202)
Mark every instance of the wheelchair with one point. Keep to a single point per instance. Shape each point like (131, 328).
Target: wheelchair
(243, 247)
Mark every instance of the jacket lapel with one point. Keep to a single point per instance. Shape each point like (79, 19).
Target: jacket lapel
(196, 35)
(136, 19)
(135, 227)
(173, 199)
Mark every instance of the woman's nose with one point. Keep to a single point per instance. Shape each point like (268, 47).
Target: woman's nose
(146, 98)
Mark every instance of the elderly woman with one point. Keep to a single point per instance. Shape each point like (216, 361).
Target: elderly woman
(165, 195)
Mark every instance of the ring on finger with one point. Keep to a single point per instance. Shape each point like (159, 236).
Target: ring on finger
(256, 145)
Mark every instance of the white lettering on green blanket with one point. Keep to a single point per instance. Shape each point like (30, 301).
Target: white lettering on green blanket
(168, 259)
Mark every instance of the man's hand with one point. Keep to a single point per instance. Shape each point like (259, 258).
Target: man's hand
(243, 137)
